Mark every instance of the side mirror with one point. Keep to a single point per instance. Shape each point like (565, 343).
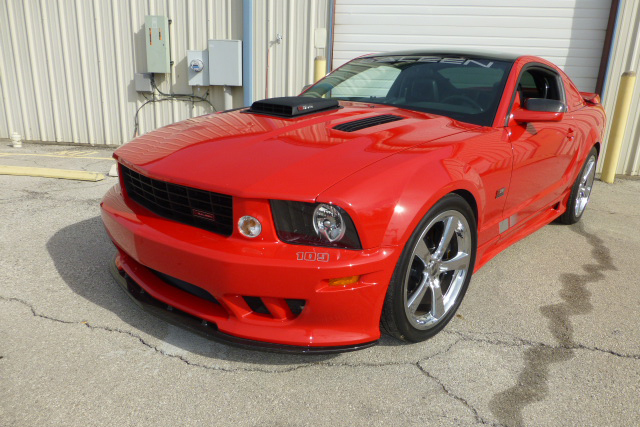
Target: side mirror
(540, 110)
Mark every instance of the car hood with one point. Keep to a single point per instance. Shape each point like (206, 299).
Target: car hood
(251, 155)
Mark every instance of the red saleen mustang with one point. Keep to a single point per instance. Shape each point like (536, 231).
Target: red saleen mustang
(306, 223)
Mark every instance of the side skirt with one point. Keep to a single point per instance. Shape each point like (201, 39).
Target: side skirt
(533, 224)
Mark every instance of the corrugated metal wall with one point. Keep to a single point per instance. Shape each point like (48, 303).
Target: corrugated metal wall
(569, 33)
(67, 66)
(625, 56)
(291, 61)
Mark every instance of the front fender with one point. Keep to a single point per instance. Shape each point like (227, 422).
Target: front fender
(388, 199)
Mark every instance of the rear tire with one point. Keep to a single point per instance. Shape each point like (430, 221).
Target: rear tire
(581, 190)
(433, 272)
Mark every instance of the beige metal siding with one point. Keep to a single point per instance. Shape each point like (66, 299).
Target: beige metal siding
(570, 33)
(291, 61)
(625, 56)
(67, 66)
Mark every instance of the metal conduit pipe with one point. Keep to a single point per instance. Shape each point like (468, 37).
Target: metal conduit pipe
(247, 52)
(332, 17)
(228, 98)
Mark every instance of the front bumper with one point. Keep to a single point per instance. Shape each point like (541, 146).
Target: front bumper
(232, 269)
(209, 330)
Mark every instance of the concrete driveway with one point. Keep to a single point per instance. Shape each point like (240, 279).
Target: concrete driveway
(548, 334)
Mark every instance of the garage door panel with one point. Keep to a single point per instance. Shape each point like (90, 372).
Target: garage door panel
(511, 32)
(436, 10)
(580, 54)
(592, 4)
(349, 40)
(567, 32)
(515, 22)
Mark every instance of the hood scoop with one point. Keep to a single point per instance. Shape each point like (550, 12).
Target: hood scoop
(367, 123)
(292, 106)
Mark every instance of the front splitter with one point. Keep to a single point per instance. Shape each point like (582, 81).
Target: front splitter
(209, 330)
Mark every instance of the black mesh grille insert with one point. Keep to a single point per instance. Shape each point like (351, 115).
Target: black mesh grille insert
(366, 123)
(187, 287)
(202, 209)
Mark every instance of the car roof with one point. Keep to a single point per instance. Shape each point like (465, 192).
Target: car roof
(449, 53)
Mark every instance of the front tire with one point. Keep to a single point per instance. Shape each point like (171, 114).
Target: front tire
(433, 272)
(581, 190)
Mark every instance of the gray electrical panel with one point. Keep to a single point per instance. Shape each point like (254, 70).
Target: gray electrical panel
(142, 82)
(156, 33)
(225, 62)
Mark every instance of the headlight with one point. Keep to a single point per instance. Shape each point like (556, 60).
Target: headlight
(316, 224)
(328, 222)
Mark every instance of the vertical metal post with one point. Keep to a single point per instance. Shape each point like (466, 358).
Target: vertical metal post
(320, 68)
(329, 50)
(247, 52)
(618, 126)
(228, 98)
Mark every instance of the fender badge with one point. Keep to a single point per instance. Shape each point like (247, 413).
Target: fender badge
(313, 256)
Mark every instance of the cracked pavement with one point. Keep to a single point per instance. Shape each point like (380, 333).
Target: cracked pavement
(548, 333)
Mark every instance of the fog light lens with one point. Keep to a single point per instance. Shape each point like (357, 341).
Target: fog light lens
(249, 226)
(344, 281)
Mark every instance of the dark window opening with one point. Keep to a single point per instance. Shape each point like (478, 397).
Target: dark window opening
(468, 89)
(539, 83)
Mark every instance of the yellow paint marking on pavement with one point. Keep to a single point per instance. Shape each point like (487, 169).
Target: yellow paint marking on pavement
(74, 153)
(54, 155)
(51, 173)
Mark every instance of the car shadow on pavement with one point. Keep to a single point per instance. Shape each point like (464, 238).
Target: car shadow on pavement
(82, 252)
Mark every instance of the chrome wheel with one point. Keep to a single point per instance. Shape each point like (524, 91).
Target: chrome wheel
(585, 185)
(437, 270)
(581, 190)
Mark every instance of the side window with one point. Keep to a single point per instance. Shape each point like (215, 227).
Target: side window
(539, 83)
(374, 82)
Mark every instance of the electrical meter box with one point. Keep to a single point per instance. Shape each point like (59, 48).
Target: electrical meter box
(156, 32)
(198, 67)
(225, 62)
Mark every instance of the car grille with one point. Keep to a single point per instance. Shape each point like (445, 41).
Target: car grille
(199, 208)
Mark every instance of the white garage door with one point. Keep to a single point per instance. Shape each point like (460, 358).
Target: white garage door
(569, 33)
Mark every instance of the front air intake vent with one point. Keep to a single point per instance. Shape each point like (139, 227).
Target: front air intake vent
(186, 286)
(292, 106)
(367, 123)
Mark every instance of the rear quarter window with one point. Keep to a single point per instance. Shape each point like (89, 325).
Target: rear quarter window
(574, 99)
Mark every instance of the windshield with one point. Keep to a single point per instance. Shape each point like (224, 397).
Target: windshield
(465, 89)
